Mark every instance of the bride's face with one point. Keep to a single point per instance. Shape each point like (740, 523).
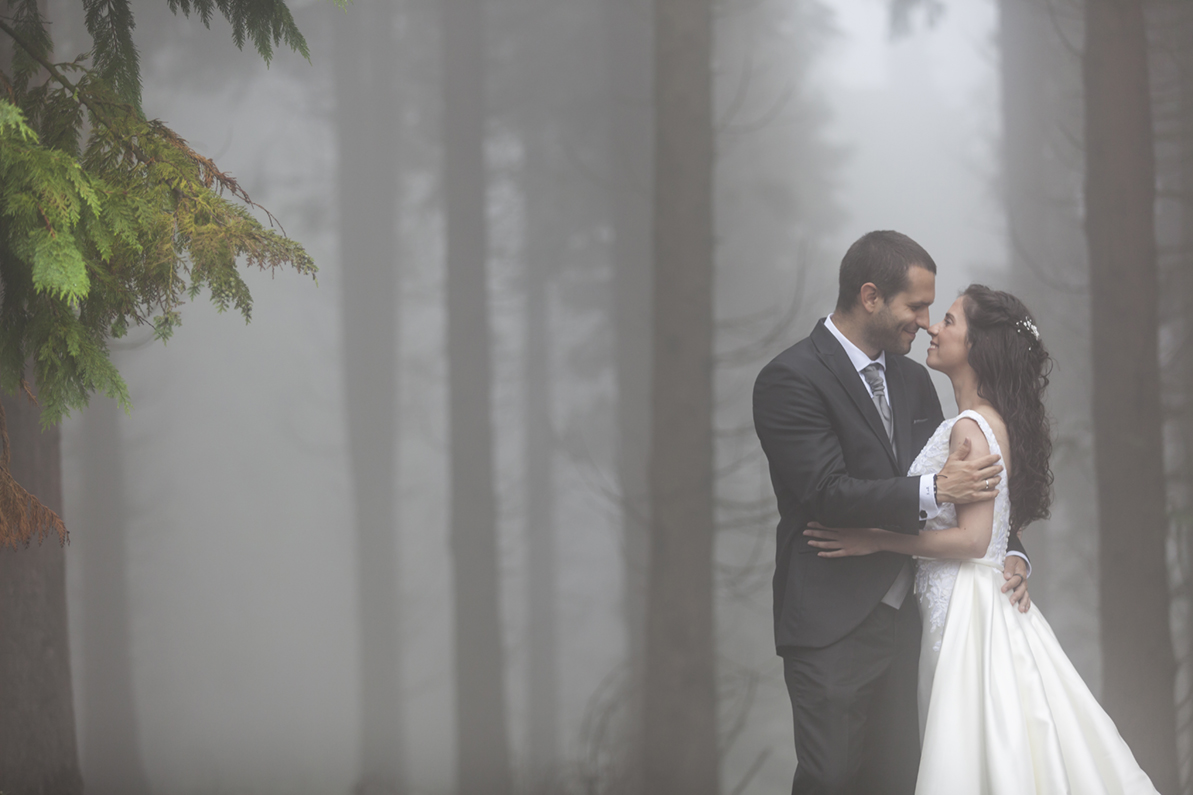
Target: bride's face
(949, 348)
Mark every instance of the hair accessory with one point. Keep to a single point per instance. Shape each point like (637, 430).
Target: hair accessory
(1026, 325)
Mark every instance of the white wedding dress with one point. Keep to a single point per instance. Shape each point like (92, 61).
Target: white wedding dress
(1002, 710)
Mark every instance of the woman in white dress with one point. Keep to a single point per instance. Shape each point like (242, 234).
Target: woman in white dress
(1002, 710)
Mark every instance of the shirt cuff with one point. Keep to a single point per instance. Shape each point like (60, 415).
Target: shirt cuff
(928, 506)
(1019, 554)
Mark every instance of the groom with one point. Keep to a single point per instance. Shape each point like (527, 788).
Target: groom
(841, 415)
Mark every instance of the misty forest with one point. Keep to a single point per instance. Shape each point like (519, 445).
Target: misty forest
(474, 504)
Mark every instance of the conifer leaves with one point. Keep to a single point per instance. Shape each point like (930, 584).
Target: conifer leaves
(44, 193)
(110, 23)
(267, 22)
(27, 23)
(120, 234)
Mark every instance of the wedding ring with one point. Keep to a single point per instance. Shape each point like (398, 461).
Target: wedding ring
(987, 485)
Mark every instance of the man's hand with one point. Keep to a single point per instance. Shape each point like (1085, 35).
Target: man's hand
(843, 542)
(962, 481)
(1015, 573)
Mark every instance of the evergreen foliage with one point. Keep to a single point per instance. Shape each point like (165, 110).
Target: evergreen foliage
(108, 219)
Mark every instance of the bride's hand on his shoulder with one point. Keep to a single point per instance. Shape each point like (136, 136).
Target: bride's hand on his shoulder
(842, 542)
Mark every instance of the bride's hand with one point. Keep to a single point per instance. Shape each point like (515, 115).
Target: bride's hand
(842, 542)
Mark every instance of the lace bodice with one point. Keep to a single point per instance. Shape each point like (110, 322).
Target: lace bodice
(934, 579)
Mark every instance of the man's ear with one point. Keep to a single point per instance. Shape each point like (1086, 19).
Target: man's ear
(869, 297)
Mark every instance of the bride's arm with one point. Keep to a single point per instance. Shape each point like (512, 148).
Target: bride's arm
(969, 539)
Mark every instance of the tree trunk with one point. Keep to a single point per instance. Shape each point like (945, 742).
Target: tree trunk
(680, 733)
(628, 37)
(38, 752)
(368, 122)
(1137, 653)
(483, 766)
(112, 763)
(542, 251)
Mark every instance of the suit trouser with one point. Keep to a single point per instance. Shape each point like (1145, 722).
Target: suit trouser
(855, 710)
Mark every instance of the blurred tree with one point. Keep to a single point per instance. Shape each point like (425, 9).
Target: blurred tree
(628, 33)
(1120, 196)
(101, 233)
(111, 758)
(1170, 39)
(483, 763)
(38, 751)
(680, 716)
(369, 127)
(544, 243)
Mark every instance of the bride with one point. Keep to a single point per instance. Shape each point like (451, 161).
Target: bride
(1002, 710)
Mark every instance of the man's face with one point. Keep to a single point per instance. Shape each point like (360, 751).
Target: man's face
(894, 325)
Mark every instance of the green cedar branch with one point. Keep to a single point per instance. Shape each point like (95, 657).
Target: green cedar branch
(211, 174)
(138, 225)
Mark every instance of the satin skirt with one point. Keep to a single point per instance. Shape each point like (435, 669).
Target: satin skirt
(1003, 711)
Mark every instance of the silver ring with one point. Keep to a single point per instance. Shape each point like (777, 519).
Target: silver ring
(987, 485)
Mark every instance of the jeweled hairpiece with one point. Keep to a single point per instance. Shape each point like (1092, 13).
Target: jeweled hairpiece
(1026, 325)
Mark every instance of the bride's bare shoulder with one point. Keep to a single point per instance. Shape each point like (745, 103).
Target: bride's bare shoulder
(968, 428)
(997, 425)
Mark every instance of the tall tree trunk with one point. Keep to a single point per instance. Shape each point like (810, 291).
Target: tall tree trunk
(1184, 284)
(112, 763)
(368, 121)
(38, 747)
(680, 733)
(1170, 34)
(1137, 654)
(542, 252)
(629, 69)
(483, 765)
(38, 752)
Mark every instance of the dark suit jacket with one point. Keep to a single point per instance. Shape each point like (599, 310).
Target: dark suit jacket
(830, 462)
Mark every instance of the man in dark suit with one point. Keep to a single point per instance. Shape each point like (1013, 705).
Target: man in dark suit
(841, 415)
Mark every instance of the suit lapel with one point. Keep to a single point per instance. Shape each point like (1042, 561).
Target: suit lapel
(900, 411)
(837, 361)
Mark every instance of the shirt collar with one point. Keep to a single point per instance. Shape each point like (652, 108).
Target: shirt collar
(856, 356)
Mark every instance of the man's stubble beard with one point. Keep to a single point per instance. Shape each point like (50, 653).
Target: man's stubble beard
(886, 333)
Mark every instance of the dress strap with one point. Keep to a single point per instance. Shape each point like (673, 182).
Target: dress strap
(986, 429)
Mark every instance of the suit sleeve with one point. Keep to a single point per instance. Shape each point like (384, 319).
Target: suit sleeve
(1015, 545)
(805, 455)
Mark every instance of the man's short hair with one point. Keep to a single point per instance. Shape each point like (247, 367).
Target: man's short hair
(882, 259)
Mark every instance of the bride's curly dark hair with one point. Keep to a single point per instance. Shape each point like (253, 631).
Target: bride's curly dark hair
(1012, 368)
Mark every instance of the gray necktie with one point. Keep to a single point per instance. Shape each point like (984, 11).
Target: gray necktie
(873, 375)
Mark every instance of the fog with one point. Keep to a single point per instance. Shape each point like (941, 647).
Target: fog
(214, 563)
